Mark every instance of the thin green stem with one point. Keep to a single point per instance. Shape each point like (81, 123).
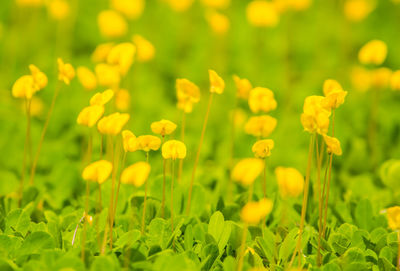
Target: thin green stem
(242, 248)
(27, 140)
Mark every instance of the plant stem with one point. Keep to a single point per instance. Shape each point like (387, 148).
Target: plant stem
(242, 249)
(183, 140)
(163, 190)
(145, 199)
(320, 200)
(27, 140)
(172, 195)
(265, 179)
(398, 250)
(119, 183)
(203, 131)
(113, 179)
(85, 222)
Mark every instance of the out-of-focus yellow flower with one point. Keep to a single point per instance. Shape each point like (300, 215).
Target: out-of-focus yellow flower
(112, 124)
(163, 127)
(65, 71)
(395, 80)
(24, 87)
(262, 99)
(122, 99)
(217, 84)
(332, 145)
(107, 75)
(260, 126)
(334, 94)
(254, 212)
(136, 174)
(145, 49)
(218, 22)
(180, 5)
(101, 98)
(360, 78)
(101, 52)
(290, 181)
(238, 117)
(98, 171)
(173, 149)
(90, 115)
(380, 78)
(297, 5)
(86, 77)
(243, 87)
(262, 13)
(132, 9)
(122, 55)
(247, 170)
(129, 141)
(29, 3)
(358, 10)
(58, 9)
(39, 77)
(315, 117)
(374, 52)
(217, 4)
(148, 142)
(187, 94)
(262, 148)
(111, 24)
(393, 215)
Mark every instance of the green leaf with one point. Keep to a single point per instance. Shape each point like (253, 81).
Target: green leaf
(188, 238)
(18, 220)
(36, 242)
(288, 245)
(129, 238)
(103, 263)
(364, 214)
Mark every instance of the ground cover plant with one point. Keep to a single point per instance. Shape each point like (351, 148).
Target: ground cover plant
(199, 135)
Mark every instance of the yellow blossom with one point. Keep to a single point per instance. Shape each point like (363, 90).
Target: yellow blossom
(247, 170)
(393, 215)
(39, 77)
(98, 171)
(58, 9)
(87, 78)
(112, 24)
(334, 94)
(163, 127)
(112, 124)
(262, 99)
(395, 80)
(129, 141)
(254, 212)
(358, 10)
(101, 98)
(218, 22)
(187, 94)
(374, 52)
(101, 52)
(173, 149)
(122, 99)
(360, 78)
(262, 148)
(243, 87)
(136, 174)
(65, 71)
(332, 145)
(132, 9)
(315, 117)
(90, 115)
(145, 49)
(107, 75)
(260, 126)
(24, 87)
(262, 13)
(217, 4)
(217, 84)
(380, 78)
(148, 142)
(122, 55)
(290, 181)
(180, 5)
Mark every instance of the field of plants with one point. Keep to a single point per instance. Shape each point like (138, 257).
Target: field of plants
(200, 135)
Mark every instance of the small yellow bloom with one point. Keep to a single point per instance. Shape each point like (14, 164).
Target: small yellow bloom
(58, 9)
(262, 99)
(315, 117)
(217, 84)
(148, 142)
(145, 49)
(112, 124)
(374, 52)
(290, 181)
(216, 4)
(393, 215)
(395, 80)
(187, 94)
(38, 76)
(253, 212)
(101, 52)
(129, 141)
(89, 219)
(90, 115)
(247, 170)
(98, 171)
(112, 24)
(180, 5)
(132, 9)
(107, 75)
(358, 10)
(136, 174)
(260, 126)
(163, 127)
(24, 87)
(65, 71)
(122, 55)
(262, 148)
(87, 78)
(174, 149)
(218, 22)
(332, 145)
(334, 94)
(380, 78)
(262, 13)
(101, 98)
(360, 79)
(243, 87)
(122, 99)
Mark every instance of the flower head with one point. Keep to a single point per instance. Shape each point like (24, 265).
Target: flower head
(136, 174)
(98, 171)
(262, 148)
(24, 87)
(187, 94)
(129, 141)
(122, 55)
(315, 117)
(332, 145)
(86, 77)
(358, 10)
(218, 22)
(39, 77)
(107, 75)
(90, 115)
(132, 9)
(254, 212)
(262, 13)
(334, 94)
(101, 52)
(58, 9)
(180, 5)
(395, 80)
(112, 124)
(393, 215)
(262, 99)
(163, 127)
(374, 52)
(247, 170)
(243, 87)
(101, 98)
(111, 24)
(145, 49)
(260, 126)
(65, 71)
(173, 149)
(148, 142)
(122, 99)
(217, 84)
(290, 181)
(380, 78)
(216, 4)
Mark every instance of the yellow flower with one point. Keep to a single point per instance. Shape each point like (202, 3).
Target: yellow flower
(243, 87)
(58, 9)
(122, 55)
(145, 49)
(24, 87)
(374, 52)
(393, 215)
(163, 127)
(332, 145)
(247, 170)
(90, 115)
(218, 22)
(112, 124)
(315, 117)
(217, 84)
(107, 75)
(260, 126)
(136, 174)
(334, 94)
(254, 212)
(122, 99)
(380, 78)
(39, 77)
(173, 149)
(187, 94)
(395, 80)
(129, 141)
(290, 181)
(101, 98)
(262, 99)
(262, 13)
(98, 171)
(148, 142)
(360, 78)
(111, 24)
(180, 5)
(262, 148)
(217, 4)
(101, 52)
(132, 9)
(65, 71)
(87, 78)
(358, 10)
